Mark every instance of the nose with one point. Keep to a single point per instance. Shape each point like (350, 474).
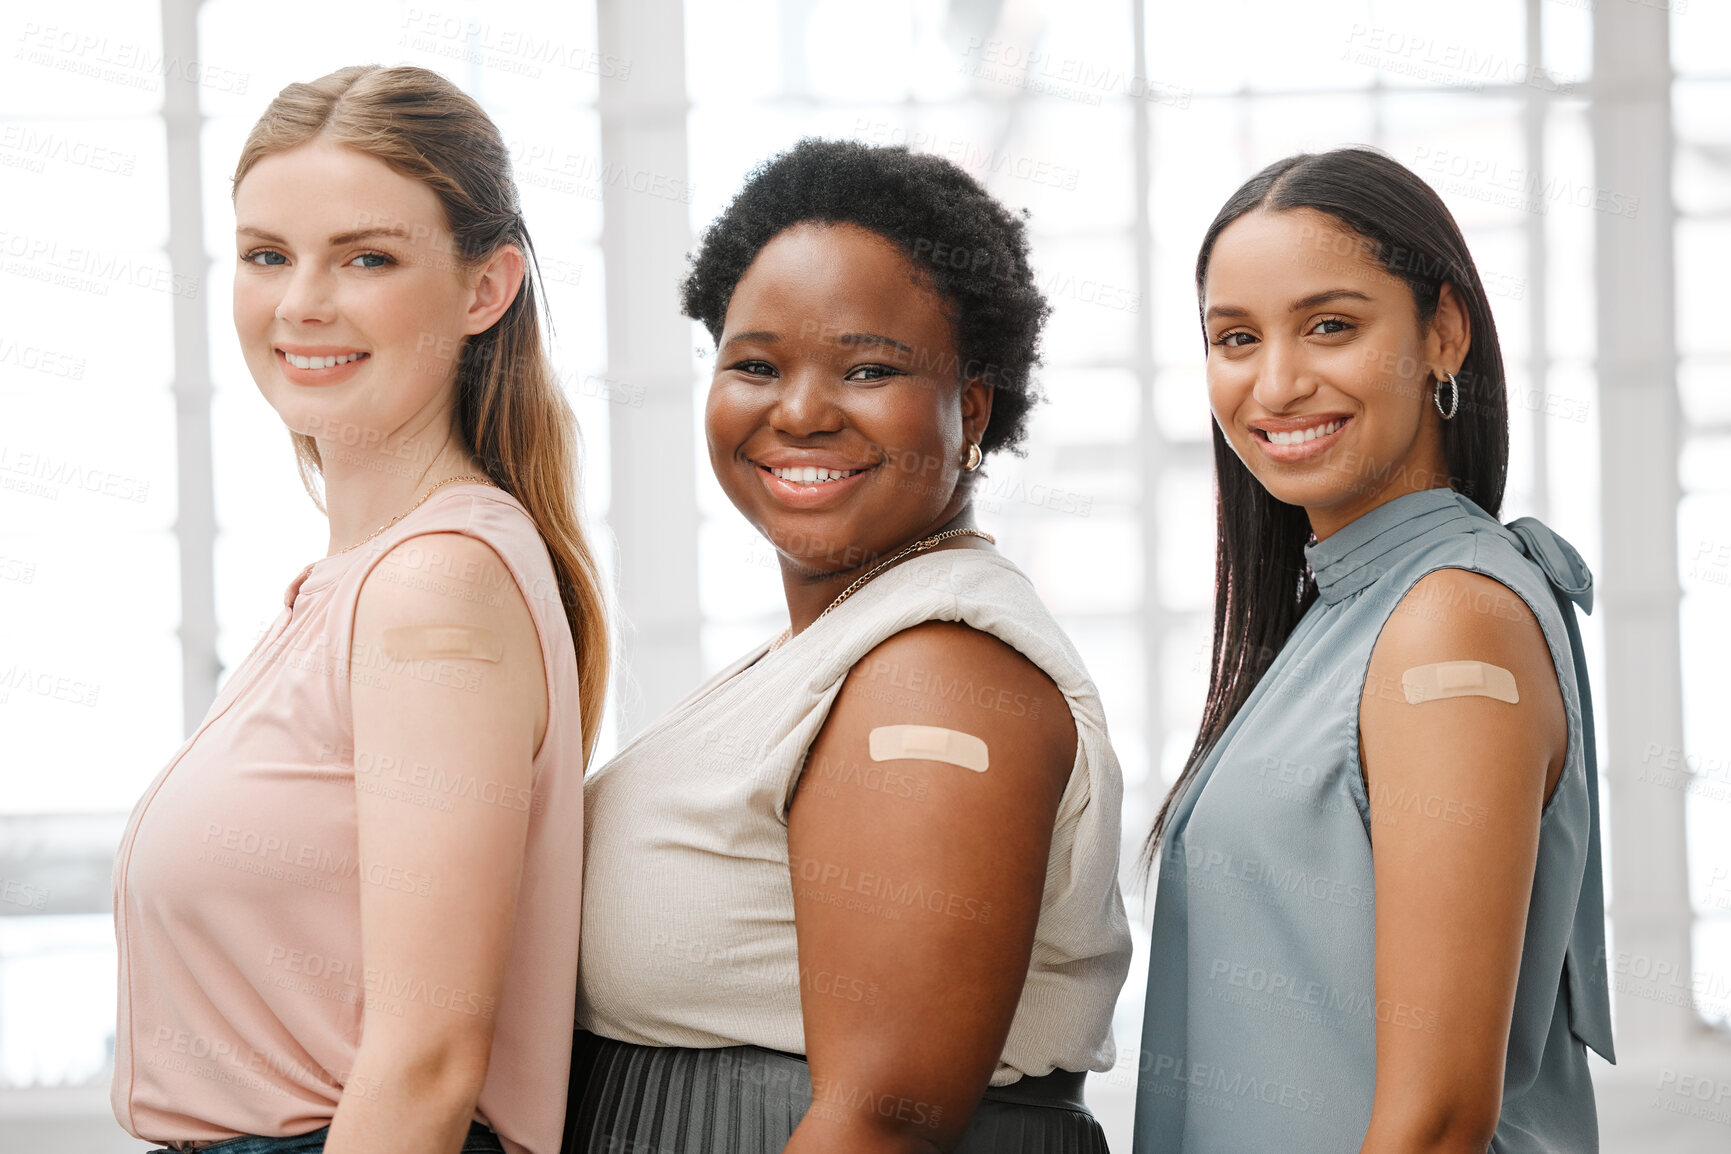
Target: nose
(1283, 376)
(805, 405)
(307, 296)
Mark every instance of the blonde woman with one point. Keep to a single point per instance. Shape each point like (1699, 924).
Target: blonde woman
(348, 909)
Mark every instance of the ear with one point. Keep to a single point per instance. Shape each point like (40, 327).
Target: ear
(492, 288)
(976, 410)
(1450, 335)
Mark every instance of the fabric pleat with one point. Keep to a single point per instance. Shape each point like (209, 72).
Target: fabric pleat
(629, 1099)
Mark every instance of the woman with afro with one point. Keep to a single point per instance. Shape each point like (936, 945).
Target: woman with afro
(859, 891)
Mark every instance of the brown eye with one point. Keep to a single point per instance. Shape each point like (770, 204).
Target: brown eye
(876, 373)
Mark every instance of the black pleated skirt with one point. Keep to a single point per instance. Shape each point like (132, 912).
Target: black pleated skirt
(628, 1099)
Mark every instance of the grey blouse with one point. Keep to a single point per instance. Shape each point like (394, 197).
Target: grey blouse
(1260, 1027)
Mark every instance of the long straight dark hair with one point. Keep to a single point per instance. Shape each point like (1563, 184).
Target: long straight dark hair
(1262, 584)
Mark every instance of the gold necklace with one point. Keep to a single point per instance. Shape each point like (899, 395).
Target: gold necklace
(447, 481)
(919, 546)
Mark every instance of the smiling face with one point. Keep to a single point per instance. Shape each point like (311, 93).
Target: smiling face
(836, 423)
(1319, 372)
(348, 300)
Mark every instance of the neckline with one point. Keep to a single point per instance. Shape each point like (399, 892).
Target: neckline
(760, 658)
(325, 571)
(878, 588)
(1354, 556)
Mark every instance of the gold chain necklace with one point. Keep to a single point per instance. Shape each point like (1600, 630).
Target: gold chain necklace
(919, 546)
(447, 481)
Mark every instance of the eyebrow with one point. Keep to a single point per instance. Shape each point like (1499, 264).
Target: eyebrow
(1324, 297)
(872, 339)
(1297, 306)
(337, 240)
(763, 336)
(756, 336)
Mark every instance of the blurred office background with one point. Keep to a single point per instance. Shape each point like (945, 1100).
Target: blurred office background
(150, 514)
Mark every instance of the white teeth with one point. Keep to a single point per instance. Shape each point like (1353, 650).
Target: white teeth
(810, 475)
(1301, 436)
(321, 362)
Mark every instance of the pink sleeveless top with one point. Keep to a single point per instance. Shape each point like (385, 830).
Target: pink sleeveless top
(236, 885)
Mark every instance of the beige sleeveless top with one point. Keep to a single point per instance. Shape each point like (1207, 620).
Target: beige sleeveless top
(688, 936)
(237, 882)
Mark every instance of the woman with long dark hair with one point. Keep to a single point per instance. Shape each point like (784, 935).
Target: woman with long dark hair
(859, 892)
(1379, 919)
(348, 908)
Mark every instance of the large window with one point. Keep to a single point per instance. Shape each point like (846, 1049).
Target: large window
(1701, 767)
(89, 601)
(150, 514)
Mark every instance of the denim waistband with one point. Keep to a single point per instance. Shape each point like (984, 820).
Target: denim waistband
(480, 1140)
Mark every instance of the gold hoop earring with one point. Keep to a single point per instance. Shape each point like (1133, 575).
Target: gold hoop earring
(974, 457)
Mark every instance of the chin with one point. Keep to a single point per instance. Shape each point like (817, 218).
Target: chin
(1306, 493)
(806, 566)
(308, 420)
(815, 550)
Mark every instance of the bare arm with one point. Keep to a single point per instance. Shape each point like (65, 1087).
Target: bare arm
(462, 705)
(917, 887)
(1454, 874)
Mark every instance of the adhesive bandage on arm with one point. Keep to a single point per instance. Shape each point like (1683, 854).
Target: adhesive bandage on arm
(429, 642)
(927, 743)
(1458, 679)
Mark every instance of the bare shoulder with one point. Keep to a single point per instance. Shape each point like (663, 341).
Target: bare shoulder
(435, 577)
(1457, 614)
(953, 676)
(444, 609)
(1462, 653)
